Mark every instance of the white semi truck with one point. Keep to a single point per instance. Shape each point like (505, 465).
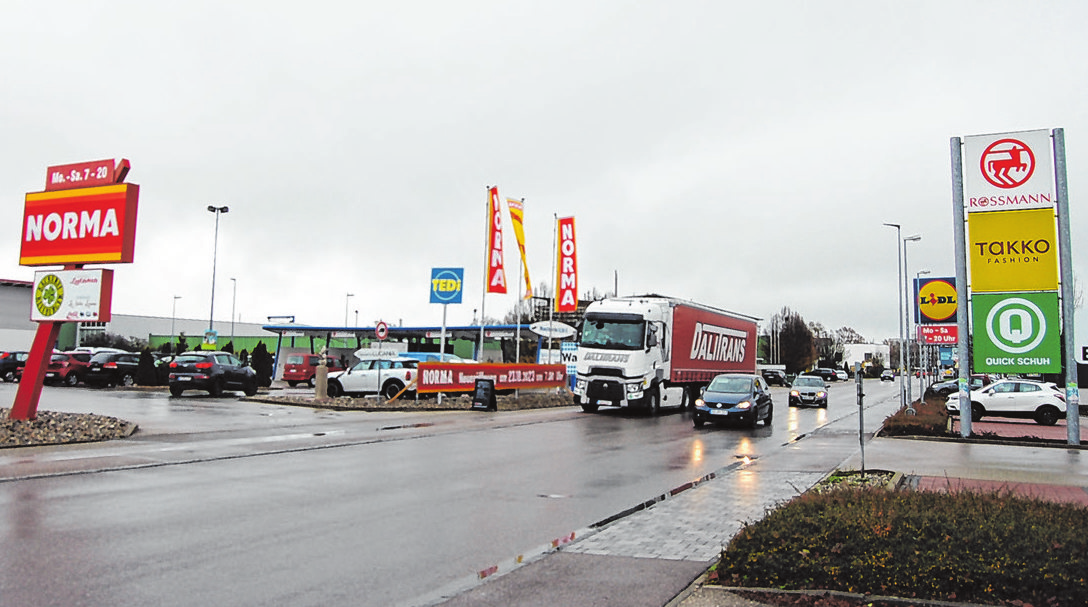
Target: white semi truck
(649, 351)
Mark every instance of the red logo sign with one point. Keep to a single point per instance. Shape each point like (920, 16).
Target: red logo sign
(85, 174)
(88, 225)
(496, 274)
(938, 334)
(566, 292)
(1007, 163)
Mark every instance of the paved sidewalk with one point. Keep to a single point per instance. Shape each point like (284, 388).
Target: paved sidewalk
(651, 558)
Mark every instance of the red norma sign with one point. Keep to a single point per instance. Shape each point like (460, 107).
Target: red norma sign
(461, 377)
(86, 225)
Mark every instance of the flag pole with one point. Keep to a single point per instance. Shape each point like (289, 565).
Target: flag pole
(551, 308)
(483, 297)
(517, 306)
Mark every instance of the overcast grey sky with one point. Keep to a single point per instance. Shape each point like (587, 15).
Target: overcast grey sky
(741, 154)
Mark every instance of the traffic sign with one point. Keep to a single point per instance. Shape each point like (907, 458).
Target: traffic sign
(1016, 332)
(381, 331)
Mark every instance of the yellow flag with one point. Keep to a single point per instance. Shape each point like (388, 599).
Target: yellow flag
(517, 218)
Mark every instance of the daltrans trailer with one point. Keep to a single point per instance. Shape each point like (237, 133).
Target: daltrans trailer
(648, 351)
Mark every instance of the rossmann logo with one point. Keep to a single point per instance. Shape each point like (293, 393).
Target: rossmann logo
(718, 344)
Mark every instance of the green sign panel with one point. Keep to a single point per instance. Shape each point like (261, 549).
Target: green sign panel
(1016, 332)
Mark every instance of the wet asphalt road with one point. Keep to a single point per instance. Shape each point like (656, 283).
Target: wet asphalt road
(217, 501)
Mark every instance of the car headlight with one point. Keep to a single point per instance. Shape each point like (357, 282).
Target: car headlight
(821, 395)
(795, 393)
(634, 388)
(744, 404)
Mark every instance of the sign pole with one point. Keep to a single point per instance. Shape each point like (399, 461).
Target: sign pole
(442, 344)
(962, 393)
(1065, 265)
(30, 386)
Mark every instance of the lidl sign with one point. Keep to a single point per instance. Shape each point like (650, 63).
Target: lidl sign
(935, 300)
(446, 285)
(1016, 332)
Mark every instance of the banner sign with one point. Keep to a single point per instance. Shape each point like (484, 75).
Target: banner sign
(1008, 171)
(566, 279)
(496, 275)
(88, 225)
(446, 285)
(85, 174)
(72, 295)
(517, 219)
(935, 300)
(461, 377)
(1013, 251)
(1016, 332)
(938, 334)
(947, 355)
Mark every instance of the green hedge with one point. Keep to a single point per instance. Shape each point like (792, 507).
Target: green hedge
(972, 547)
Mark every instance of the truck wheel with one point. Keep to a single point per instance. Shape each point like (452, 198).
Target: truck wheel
(770, 415)
(686, 401)
(589, 408)
(653, 401)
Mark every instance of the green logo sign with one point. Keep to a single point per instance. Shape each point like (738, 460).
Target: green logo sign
(1016, 332)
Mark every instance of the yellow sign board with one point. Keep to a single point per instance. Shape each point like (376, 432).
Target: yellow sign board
(1013, 251)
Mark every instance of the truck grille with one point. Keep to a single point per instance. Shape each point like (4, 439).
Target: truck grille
(606, 371)
(604, 390)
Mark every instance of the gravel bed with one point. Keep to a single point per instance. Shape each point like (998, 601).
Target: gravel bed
(53, 428)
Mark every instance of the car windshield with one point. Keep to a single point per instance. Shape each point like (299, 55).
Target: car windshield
(731, 385)
(294, 359)
(613, 334)
(808, 381)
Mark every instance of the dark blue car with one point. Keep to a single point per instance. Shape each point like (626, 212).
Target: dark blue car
(735, 398)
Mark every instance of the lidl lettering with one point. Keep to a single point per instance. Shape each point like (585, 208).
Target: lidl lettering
(71, 226)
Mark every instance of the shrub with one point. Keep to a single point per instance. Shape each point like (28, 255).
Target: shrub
(968, 547)
(930, 419)
(146, 374)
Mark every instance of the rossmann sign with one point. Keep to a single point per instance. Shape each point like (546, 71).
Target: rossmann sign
(1008, 171)
(86, 225)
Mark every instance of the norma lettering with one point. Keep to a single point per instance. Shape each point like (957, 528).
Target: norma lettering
(72, 226)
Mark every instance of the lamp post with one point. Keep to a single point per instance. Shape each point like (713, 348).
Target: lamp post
(347, 301)
(233, 300)
(173, 315)
(906, 268)
(215, 252)
(921, 364)
(899, 263)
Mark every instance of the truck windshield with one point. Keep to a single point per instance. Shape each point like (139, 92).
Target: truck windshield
(613, 335)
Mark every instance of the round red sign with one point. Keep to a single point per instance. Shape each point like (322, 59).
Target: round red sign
(1007, 163)
(381, 331)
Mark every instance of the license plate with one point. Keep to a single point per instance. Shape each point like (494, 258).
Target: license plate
(184, 378)
(719, 411)
(50, 374)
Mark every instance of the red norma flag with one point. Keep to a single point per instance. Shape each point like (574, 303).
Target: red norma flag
(566, 279)
(496, 275)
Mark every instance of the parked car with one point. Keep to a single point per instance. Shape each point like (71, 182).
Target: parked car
(734, 397)
(384, 376)
(109, 369)
(67, 368)
(773, 377)
(1016, 398)
(808, 390)
(215, 372)
(944, 388)
(10, 364)
(887, 375)
(302, 368)
(823, 372)
(434, 357)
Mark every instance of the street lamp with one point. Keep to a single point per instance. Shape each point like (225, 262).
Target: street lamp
(233, 300)
(921, 365)
(899, 251)
(347, 301)
(173, 315)
(906, 268)
(215, 252)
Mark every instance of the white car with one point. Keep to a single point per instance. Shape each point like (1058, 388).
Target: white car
(386, 376)
(841, 375)
(1023, 398)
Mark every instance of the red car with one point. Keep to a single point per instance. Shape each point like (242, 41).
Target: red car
(67, 368)
(302, 368)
